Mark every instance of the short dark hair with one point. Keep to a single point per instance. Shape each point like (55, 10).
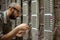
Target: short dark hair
(13, 5)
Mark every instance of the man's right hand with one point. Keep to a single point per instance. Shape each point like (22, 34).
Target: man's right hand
(23, 26)
(22, 29)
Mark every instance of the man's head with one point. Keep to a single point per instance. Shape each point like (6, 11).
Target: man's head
(14, 10)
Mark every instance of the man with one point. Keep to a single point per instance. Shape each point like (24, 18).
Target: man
(12, 12)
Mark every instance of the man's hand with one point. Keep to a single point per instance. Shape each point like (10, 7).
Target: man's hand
(23, 26)
(20, 33)
(22, 29)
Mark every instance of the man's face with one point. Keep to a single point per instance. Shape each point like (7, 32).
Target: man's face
(15, 14)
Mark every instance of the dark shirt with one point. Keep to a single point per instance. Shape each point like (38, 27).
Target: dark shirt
(5, 26)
